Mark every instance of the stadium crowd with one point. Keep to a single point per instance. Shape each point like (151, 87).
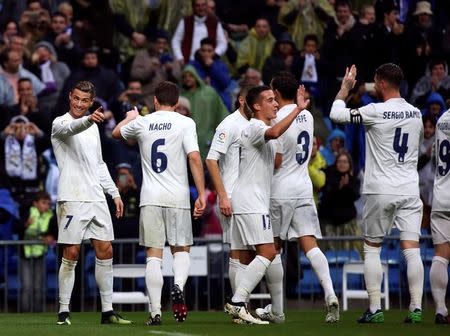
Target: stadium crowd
(211, 50)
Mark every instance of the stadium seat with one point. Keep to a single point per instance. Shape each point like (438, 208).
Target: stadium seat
(358, 268)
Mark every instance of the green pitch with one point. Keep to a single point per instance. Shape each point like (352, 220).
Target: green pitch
(298, 323)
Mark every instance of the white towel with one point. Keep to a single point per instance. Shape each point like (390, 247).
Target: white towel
(21, 162)
(309, 73)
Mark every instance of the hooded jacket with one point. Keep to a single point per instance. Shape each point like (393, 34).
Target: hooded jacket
(207, 110)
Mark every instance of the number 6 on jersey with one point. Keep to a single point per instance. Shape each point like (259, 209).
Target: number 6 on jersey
(159, 159)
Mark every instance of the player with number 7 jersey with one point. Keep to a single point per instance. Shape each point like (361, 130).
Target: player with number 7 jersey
(394, 132)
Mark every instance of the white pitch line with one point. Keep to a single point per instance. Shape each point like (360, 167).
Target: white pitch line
(170, 333)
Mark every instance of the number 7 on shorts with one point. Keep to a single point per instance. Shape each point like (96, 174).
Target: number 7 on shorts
(69, 219)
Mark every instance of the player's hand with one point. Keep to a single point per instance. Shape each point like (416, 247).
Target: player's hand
(225, 206)
(349, 80)
(97, 116)
(302, 103)
(119, 207)
(199, 206)
(132, 114)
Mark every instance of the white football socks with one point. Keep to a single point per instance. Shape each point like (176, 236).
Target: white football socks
(181, 264)
(233, 268)
(320, 266)
(274, 279)
(439, 281)
(154, 282)
(66, 280)
(104, 278)
(414, 267)
(251, 276)
(373, 276)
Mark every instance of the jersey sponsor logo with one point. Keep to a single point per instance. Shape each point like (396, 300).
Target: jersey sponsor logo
(401, 114)
(222, 137)
(443, 126)
(160, 126)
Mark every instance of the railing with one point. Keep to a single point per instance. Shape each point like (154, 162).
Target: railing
(203, 293)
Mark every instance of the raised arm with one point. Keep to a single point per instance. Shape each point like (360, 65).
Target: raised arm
(339, 112)
(279, 128)
(64, 128)
(131, 115)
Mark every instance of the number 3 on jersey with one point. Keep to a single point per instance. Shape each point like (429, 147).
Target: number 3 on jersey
(302, 147)
(158, 159)
(444, 157)
(400, 144)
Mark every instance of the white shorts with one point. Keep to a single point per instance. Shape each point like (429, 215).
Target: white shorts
(225, 223)
(83, 220)
(294, 218)
(440, 227)
(382, 212)
(249, 230)
(158, 224)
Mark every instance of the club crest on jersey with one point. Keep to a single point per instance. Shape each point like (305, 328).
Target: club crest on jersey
(221, 137)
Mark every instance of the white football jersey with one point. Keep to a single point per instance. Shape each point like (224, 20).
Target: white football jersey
(441, 194)
(394, 132)
(226, 142)
(291, 180)
(83, 174)
(165, 139)
(251, 193)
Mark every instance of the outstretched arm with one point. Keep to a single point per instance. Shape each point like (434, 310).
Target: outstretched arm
(339, 112)
(279, 128)
(131, 115)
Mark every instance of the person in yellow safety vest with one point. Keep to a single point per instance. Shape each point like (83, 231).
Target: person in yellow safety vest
(32, 265)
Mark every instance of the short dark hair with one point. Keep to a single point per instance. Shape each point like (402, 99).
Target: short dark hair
(208, 41)
(61, 14)
(41, 195)
(311, 37)
(437, 61)
(254, 94)
(242, 93)
(286, 84)
(167, 93)
(390, 73)
(23, 79)
(85, 86)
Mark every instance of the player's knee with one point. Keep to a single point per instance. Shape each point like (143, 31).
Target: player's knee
(71, 253)
(105, 252)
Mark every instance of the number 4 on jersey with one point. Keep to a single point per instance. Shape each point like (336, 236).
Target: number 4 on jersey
(400, 144)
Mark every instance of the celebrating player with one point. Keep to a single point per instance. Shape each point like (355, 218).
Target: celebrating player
(167, 140)
(440, 219)
(293, 213)
(82, 210)
(223, 166)
(251, 195)
(394, 132)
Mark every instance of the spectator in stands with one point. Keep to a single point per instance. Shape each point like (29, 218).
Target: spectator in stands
(426, 168)
(128, 99)
(11, 67)
(256, 47)
(316, 170)
(11, 29)
(309, 68)
(207, 108)
(337, 209)
(284, 57)
(389, 40)
(436, 79)
(60, 36)
(52, 73)
(35, 226)
(22, 142)
(128, 225)
(362, 42)
(184, 107)
(34, 24)
(212, 70)
(334, 146)
(27, 107)
(17, 43)
(305, 17)
(423, 40)
(107, 83)
(192, 29)
(435, 106)
(155, 64)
